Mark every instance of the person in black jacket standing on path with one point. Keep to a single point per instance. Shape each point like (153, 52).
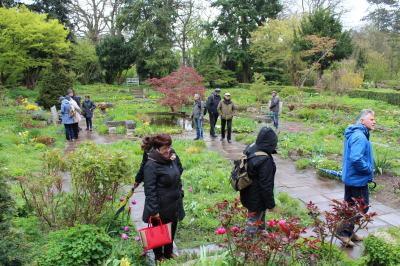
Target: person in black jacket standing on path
(259, 196)
(212, 104)
(163, 190)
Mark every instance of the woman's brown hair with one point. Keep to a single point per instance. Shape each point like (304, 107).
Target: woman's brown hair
(156, 141)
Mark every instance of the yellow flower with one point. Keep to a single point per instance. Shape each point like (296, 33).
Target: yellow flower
(31, 107)
(125, 262)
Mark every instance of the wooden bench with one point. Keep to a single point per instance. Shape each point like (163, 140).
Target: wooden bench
(132, 81)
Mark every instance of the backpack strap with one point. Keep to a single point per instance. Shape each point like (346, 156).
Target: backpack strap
(258, 153)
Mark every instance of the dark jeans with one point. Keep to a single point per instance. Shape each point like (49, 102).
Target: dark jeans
(255, 222)
(351, 192)
(276, 119)
(213, 122)
(89, 123)
(69, 132)
(75, 128)
(166, 250)
(199, 128)
(223, 125)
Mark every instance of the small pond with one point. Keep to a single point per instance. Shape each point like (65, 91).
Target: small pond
(170, 119)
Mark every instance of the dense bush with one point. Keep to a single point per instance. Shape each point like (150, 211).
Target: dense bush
(389, 97)
(76, 246)
(379, 252)
(54, 83)
(218, 77)
(7, 244)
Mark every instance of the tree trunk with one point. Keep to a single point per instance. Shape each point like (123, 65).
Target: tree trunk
(318, 82)
(31, 76)
(245, 72)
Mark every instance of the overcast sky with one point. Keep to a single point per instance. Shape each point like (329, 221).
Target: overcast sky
(357, 9)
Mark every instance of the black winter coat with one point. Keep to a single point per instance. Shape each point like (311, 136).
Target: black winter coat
(259, 196)
(212, 103)
(163, 189)
(140, 174)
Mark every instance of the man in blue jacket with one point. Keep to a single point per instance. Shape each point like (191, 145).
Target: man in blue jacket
(357, 168)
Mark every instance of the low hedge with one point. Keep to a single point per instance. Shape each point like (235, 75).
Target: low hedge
(389, 97)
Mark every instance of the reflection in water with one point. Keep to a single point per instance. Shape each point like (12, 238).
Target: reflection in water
(167, 119)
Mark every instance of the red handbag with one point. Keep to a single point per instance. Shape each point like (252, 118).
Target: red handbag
(155, 236)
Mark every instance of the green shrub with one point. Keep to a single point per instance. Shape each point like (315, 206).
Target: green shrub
(380, 252)
(218, 77)
(289, 91)
(54, 83)
(40, 115)
(386, 96)
(303, 163)
(307, 114)
(79, 245)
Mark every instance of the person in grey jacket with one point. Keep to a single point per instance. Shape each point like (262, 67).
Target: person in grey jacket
(87, 108)
(274, 107)
(197, 115)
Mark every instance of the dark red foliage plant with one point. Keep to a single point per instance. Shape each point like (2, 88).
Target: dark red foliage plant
(281, 243)
(326, 224)
(178, 87)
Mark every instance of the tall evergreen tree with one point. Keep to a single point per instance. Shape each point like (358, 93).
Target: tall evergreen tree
(150, 23)
(321, 40)
(237, 19)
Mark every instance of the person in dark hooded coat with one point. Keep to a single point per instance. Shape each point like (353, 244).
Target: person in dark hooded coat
(259, 196)
(163, 190)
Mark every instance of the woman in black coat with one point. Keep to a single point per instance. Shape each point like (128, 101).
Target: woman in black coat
(163, 190)
(259, 196)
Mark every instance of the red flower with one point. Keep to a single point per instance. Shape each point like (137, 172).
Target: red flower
(271, 223)
(235, 229)
(220, 231)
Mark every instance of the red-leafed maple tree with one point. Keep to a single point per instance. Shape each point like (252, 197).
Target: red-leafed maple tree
(178, 87)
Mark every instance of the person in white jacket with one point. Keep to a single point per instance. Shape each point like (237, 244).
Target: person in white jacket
(77, 117)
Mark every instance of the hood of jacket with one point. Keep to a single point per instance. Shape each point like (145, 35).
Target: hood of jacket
(267, 140)
(157, 157)
(65, 101)
(350, 130)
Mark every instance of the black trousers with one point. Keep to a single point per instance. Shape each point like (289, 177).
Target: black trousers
(165, 251)
(223, 125)
(351, 192)
(69, 132)
(89, 123)
(75, 128)
(213, 122)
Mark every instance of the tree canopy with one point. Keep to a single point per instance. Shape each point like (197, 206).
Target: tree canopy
(28, 43)
(236, 21)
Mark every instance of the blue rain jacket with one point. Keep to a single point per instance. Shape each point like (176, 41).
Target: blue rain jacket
(358, 161)
(65, 118)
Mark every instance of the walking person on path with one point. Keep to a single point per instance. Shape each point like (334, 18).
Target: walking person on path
(226, 109)
(163, 190)
(259, 195)
(77, 117)
(357, 168)
(212, 105)
(274, 108)
(87, 109)
(198, 112)
(66, 119)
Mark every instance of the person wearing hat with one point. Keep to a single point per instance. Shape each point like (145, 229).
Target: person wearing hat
(226, 109)
(259, 195)
(274, 107)
(211, 105)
